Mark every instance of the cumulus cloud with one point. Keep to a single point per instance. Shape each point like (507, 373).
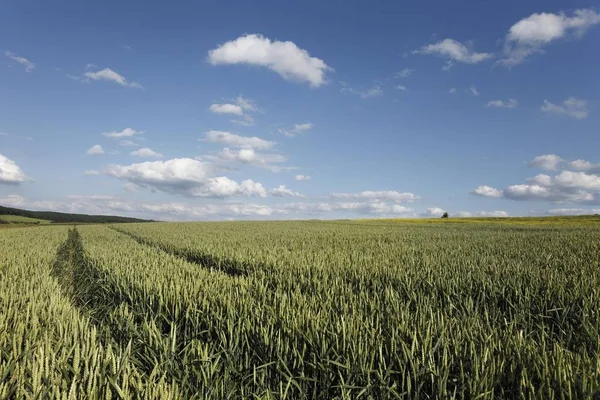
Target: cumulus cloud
(29, 66)
(382, 195)
(433, 212)
(586, 166)
(231, 139)
(492, 214)
(10, 172)
(548, 162)
(284, 58)
(109, 75)
(463, 214)
(487, 191)
(95, 149)
(297, 129)
(510, 103)
(226, 109)
(240, 106)
(127, 132)
(572, 107)
(250, 157)
(301, 177)
(147, 153)
(530, 35)
(109, 205)
(566, 186)
(473, 90)
(282, 191)
(573, 211)
(362, 207)
(401, 88)
(454, 51)
(184, 176)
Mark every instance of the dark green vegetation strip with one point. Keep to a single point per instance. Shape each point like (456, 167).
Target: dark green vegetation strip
(121, 319)
(48, 348)
(58, 217)
(229, 267)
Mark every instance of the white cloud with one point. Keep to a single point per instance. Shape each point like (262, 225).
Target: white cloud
(285, 58)
(109, 75)
(402, 88)
(297, 129)
(282, 191)
(146, 152)
(405, 73)
(492, 214)
(573, 211)
(576, 180)
(433, 212)
(184, 176)
(564, 187)
(452, 91)
(583, 165)
(548, 162)
(454, 51)
(572, 107)
(95, 149)
(530, 35)
(247, 104)
(510, 103)
(91, 172)
(250, 157)
(29, 66)
(226, 109)
(464, 214)
(473, 90)
(361, 207)
(127, 132)
(128, 143)
(107, 205)
(10, 172)
(301, 177)
(382, 195)
(241, 107)
(375, 91)
(231, 139)
(487, 191)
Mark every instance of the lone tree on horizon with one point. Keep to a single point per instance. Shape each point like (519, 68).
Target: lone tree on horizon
(445, 215)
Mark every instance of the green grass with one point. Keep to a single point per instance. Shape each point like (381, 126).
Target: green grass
(302, 310)
(17, 219)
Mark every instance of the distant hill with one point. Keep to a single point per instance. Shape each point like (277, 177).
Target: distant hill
(11, 215)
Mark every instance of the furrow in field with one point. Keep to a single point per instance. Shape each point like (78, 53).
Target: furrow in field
(204, 260)
(48, 349)
(457, 310)
(88, 290)
(184, 328)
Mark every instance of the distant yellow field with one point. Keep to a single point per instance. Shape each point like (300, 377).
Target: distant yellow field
(593, 220)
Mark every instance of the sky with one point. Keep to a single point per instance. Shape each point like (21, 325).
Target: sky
(293, 110)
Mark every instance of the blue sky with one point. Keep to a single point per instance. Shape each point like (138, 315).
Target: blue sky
(207, 110)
